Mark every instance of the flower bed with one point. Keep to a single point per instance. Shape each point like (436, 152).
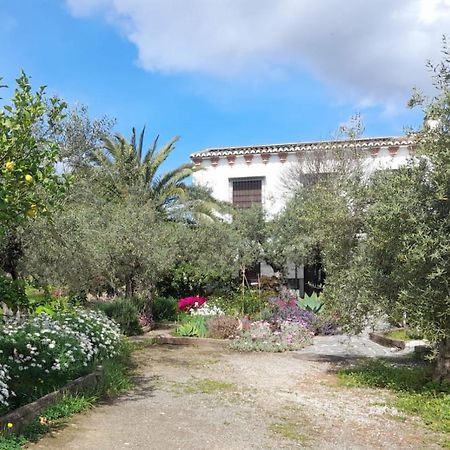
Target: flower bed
(282, 323)
(41, 353)
(264, 336)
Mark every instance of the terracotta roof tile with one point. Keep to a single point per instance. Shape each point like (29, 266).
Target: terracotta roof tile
(365, 143)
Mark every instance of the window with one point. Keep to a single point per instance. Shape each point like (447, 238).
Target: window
(247, 192)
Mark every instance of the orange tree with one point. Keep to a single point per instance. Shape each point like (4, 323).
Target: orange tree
(29, 152)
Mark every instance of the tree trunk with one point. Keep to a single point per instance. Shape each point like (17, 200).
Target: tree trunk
(12, 252)
(128, 287)
(442, 370)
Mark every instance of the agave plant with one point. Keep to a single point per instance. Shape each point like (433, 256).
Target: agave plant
(311, 303)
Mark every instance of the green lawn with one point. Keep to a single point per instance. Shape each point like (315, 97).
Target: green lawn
(416, 393)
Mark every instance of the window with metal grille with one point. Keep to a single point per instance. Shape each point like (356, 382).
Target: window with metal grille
(247, 192)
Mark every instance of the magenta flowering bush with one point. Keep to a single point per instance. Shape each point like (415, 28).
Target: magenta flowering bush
(287, 309)
(193, 302)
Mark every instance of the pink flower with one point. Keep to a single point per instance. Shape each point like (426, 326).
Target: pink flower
(187, 303)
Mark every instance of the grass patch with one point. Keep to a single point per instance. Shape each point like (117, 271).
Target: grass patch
(116, 374)
(141, 344)
(416, 393)
(51, 418)
(289, 430)
(402, 335)
(206, 386)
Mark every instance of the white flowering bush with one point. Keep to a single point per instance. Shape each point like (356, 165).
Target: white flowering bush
(41, 353)
(5, 391)
(206, 310)
(102, 333)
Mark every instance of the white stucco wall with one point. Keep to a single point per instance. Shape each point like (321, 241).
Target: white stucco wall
(218, 177)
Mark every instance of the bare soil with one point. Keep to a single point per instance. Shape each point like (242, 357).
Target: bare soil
(211, 398)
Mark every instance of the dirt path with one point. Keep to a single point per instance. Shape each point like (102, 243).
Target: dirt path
(206, 398)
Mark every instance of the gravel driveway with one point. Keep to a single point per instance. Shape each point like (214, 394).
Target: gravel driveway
(209, 398)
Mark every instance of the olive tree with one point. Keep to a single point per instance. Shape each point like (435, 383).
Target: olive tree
(401, 264)
(102, 247)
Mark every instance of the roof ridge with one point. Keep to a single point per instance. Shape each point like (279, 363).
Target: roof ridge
(219, 151)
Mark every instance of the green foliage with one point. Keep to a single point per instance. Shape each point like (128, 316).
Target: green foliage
(29, 184)
(188, 330)
(104, 247)
(403, 335)
(383, 240)
(192, 326)
(311, 303)
(12, 442)
(164, 308)
(124, 312)
(80, 137)
(194, 278)
(116, 373)
(68, 406)
(12, 292)
(205, 261)
(250, 302)
(250, 236)
(416, 392)
(130, 170)
(43, 301)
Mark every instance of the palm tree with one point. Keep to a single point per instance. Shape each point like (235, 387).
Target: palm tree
(129, 171)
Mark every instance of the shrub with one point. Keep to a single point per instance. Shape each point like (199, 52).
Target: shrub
(249, 304)
(102, 333)
(12, 293)
(288, 309)
(41, 353)
(164, 308)
(269, 283)
(264, 336)
(223, 327)
(187, 303)
(194, 326)
(207, 310)
(187, 278)
(5, 391)
(124, 312)
(325, 326)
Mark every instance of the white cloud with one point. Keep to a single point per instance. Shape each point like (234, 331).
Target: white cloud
(371, 51)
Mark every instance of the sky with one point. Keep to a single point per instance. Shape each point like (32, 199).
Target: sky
(229, 72)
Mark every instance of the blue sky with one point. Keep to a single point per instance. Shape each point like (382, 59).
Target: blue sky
(228, 72)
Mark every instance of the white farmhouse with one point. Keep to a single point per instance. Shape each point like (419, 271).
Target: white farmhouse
(254, 174)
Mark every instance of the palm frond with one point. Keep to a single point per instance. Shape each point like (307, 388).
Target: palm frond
(151, 150)
(152, 164)
(140, 145)
(174, 176)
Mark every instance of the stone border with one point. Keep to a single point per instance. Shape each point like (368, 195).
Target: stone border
(385, 341)
(26, 414)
